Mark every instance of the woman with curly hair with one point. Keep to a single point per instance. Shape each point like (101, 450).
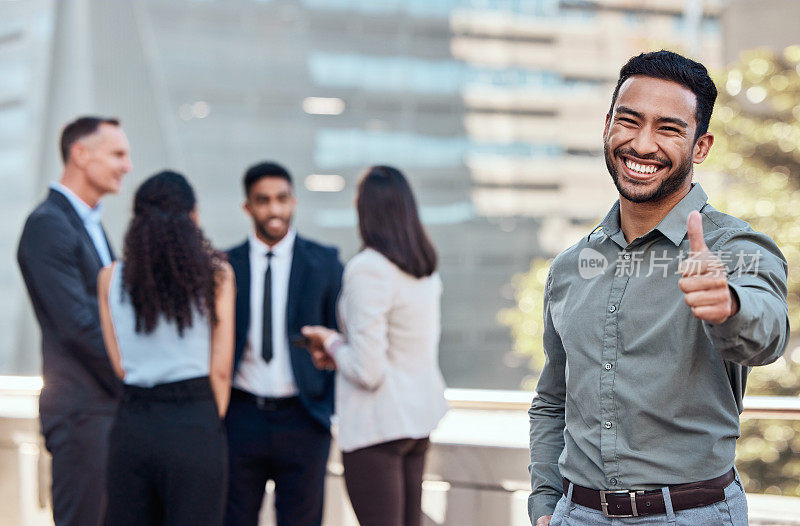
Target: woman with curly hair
(167, 315)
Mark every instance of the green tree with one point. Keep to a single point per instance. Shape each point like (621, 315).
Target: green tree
(757, 130)
(525, 318)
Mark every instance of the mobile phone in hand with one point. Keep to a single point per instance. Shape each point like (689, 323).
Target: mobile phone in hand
(301, 341)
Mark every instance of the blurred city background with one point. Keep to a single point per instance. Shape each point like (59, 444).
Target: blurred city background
(493, 108)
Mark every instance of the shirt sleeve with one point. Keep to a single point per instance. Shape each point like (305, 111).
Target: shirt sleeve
(757, 272)
(547, 422)
(364, 307)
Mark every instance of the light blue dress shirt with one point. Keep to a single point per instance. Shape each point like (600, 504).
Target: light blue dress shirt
(91, 221)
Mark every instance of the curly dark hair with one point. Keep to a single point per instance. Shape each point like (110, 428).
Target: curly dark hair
(170, 267)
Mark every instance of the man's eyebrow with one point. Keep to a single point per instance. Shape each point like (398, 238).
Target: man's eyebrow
(629, 111)
(673, 120)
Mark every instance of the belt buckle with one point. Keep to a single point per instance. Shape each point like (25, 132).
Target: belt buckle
(631, 493)
(266, 404)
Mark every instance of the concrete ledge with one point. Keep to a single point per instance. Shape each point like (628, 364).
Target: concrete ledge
(476, 474)
(773, 510)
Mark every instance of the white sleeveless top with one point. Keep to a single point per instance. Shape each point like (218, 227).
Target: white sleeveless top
(161, 356)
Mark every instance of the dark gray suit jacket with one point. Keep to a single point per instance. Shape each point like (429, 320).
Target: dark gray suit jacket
(59, 264)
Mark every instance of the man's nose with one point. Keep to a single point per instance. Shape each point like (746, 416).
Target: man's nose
(644, 143)
(273, 207)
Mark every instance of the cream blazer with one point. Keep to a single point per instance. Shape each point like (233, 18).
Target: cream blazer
(388, 384)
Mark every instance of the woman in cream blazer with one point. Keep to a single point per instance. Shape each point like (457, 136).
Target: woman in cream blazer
(389, 390)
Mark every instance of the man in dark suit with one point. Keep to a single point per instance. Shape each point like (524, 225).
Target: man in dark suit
(278, 421)
(62, 248)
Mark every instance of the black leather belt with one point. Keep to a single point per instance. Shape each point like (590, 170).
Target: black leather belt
(630, 503)
(266, 403)
(183, 390)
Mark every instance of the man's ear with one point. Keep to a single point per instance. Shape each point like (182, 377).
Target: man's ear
(701, 147)
(605, 128)
(78, 154)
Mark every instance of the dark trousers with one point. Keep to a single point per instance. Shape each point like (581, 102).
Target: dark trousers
(78, 443)
(384, 482)
(167, 461)
(278, 441)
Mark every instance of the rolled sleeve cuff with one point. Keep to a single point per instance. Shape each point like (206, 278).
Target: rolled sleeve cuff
(541, 504)
(730, 329)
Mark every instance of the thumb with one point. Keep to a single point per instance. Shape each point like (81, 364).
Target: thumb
(694, 227)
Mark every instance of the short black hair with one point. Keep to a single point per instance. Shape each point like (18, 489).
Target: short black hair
(671, 66)
(80, 128)
(261, 170)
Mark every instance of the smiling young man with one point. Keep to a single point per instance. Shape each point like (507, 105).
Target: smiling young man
(637, 408)
(61, 250)
(279, 416)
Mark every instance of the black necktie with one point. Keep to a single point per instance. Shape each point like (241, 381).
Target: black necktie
(266, 327)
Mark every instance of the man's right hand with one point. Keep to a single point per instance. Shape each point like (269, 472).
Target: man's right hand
(317, 335)
(544, 520)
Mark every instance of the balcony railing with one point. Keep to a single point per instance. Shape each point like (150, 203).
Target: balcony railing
(476, 472)
(771, 407)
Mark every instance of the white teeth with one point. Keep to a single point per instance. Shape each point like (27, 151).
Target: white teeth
(641, 168)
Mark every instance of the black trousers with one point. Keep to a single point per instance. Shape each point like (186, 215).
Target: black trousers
(278, 441)
(384, 482)
(78, 443)
(167, 462)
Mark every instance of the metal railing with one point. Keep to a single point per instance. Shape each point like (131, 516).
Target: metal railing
(762, 407)
(460, 454)
(20, 385)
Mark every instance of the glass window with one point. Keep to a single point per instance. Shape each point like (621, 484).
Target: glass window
(416, 75)
(337, 148)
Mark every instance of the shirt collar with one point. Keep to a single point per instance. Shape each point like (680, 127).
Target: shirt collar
(282, 248)
(672, 226)
(84, 211)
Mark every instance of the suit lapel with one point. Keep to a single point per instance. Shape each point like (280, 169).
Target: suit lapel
(239, 259)
(108, 244)
(63, 203)
(301, 267)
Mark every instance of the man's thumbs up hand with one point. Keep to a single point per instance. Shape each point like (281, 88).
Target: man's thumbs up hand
(705, 279)
(694, 228)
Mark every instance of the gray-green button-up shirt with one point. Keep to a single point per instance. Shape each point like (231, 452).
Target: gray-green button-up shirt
(636, 392)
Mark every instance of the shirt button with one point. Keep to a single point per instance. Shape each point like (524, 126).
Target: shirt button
(612, 308)
(608, 366)
(626, 256)
(607, 424)
(613, 482)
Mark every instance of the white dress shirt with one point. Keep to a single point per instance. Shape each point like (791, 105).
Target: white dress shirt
(274, 379)
(388, 383)
(91, 221)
